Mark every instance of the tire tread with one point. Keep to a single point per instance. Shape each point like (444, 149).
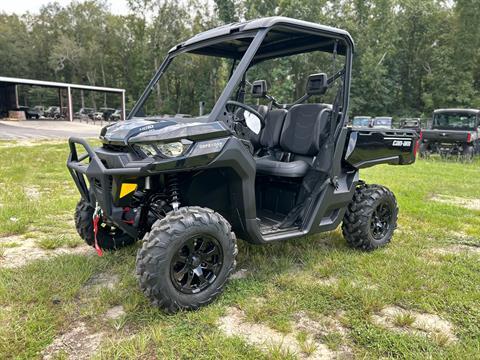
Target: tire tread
(356, 222)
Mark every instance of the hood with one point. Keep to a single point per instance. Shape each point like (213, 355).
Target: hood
(142, 130)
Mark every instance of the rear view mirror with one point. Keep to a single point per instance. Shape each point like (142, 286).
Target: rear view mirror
(259, 89)
(317, 84)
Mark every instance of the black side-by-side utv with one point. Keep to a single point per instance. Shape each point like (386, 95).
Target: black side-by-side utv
(454, 132)
(188, 186)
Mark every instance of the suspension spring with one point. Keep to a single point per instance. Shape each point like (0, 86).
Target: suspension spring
(173, 190)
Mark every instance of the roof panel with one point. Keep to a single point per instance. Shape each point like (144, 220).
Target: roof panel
(471, 111)
(290, 28)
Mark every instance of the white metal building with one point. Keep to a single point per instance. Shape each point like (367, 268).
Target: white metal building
(9, 92)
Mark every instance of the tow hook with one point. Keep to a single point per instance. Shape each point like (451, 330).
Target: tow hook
(96, 219)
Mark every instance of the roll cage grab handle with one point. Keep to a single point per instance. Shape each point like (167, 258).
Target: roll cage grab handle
(237, 76)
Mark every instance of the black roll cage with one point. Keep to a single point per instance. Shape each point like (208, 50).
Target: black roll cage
(248, 59)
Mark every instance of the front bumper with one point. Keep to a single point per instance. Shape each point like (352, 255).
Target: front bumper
(100, 179)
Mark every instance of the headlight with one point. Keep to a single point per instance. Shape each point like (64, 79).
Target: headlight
(173, 149)
(170, 150)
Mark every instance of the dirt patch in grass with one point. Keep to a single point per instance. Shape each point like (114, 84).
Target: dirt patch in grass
(239, 274)
(27, 250)
(32, 193)
(327, 281)
(456, 250)
(472, 204)
(305, 341)
(398, 319)
(320, 327)
(327, 330)
(79, 342)
(115, 313)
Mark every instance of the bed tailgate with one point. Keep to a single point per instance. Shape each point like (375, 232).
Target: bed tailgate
(369, 147)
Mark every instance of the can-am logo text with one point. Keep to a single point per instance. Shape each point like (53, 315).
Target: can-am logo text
(401, 143)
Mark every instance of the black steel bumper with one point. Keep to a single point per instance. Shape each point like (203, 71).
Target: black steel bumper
(98, 190)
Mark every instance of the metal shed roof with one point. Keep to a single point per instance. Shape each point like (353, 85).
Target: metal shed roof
(10, 80)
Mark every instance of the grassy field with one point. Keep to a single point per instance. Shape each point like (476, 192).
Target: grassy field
(315, 294)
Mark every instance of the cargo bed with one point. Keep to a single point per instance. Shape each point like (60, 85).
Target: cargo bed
(369, 147)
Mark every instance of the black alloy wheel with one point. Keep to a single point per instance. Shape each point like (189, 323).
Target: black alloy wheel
(196, 264)
(371, 217)
(381, 220)
(186, 259)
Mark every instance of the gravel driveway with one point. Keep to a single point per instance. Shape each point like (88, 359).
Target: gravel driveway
(45, 129)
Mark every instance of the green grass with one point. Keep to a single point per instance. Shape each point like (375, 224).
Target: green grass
(404, 319)
(44, 298)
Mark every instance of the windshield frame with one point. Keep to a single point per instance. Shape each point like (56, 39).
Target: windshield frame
(219, 112)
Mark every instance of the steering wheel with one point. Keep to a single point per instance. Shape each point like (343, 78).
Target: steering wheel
(248, 108)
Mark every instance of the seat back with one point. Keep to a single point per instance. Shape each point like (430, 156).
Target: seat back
(303, 127)
(273, 124)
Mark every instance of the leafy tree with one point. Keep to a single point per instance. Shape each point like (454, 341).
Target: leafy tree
(226, 10)
(411, 56)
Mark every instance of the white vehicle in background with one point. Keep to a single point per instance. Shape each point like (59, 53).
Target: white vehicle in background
(383, 122)
(362, 121)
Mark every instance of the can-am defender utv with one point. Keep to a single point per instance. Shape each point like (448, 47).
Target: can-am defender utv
(454, 132)
(187, 186)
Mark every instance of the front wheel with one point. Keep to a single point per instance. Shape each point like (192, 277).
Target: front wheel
(186, 259)
(371, 217)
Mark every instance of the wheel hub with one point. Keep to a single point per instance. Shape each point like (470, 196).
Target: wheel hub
(195, 261)
(196, 264)
(380, 221)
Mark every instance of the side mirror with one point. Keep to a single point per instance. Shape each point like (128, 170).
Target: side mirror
(317, 84)
(253, 122)
(259, 89)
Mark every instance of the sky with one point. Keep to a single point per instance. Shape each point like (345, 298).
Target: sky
(22, 6)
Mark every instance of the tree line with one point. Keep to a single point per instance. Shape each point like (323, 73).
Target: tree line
(411, 56)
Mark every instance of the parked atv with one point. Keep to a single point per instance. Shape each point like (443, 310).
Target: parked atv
(188, 186)
(30, 113)
(454, 132)
(362, 122)
(411, 123)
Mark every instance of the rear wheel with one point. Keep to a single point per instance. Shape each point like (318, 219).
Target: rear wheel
(423, 151)
(108, 237)
(468, 153)
(186, 259)
(371, 217)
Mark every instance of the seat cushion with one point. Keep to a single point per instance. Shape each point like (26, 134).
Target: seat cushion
(270, 166)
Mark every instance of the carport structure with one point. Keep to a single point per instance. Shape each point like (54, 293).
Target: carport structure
(9, 92)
